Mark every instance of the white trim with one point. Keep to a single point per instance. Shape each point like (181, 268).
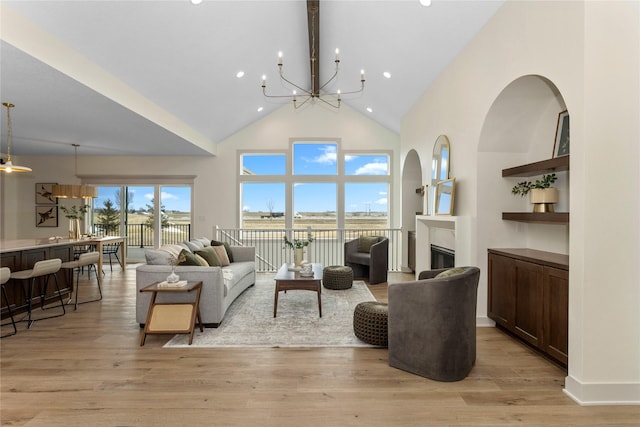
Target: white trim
(587, 394)
(484, 322)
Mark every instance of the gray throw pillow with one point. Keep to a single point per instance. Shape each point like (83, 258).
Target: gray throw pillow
(156, 257)
(194, 245)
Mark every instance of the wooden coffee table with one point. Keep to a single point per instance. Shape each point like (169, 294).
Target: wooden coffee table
(292, 280)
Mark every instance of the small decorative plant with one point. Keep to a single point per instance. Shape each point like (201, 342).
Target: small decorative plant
(523, 188)
(75, 212)
(298, 243)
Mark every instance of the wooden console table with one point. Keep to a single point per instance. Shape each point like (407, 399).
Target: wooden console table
(172, 317)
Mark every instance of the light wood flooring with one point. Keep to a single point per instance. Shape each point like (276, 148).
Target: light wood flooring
(87, 369)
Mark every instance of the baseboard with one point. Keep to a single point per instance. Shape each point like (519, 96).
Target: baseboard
(484, 322)
(587, 394)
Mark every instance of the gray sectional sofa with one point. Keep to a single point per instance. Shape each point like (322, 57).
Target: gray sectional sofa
(220, 285)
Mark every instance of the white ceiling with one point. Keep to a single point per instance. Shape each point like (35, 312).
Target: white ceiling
(159, 77)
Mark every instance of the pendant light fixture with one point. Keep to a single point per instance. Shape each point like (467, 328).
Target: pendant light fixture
(8, 166)
(74, 191)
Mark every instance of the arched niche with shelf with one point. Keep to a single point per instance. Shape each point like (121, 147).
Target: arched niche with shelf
(519, 129)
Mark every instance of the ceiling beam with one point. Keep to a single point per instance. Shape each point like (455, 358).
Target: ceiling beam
(313, 25)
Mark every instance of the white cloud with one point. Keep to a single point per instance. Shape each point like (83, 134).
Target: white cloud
(246, 208)
(328, 156)
(382, 201)
(148, 196)
(382, 193)
(349, 158)
(167, 196)
(376, 168)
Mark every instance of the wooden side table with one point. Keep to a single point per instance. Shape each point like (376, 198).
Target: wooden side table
(172, 317)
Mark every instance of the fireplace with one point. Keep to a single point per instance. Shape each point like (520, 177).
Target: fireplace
(442, 257)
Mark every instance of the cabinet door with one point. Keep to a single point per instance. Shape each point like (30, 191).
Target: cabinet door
(556, 313)
(501, 292)
(528, 302)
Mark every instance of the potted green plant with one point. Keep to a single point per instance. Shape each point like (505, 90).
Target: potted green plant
(298, 246)
(543, 196)
(74, 214)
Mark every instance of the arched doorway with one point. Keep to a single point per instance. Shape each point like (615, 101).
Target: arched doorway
(412, 201)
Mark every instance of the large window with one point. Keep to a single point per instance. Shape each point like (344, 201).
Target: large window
(149, 215)
(314, 184)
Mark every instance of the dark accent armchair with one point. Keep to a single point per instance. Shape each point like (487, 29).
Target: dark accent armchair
(432, 324)
(373, 264)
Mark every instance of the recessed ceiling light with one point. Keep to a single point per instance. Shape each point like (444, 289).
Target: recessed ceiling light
(387, 74)
(196, 1)
(426, 3)
(240, 74)
(369, 109)
(260, 109)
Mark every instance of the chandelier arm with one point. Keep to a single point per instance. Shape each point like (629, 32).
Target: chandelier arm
(307, 98)
(352, 92)
(293, 84)
(330, 104)
(331, 79)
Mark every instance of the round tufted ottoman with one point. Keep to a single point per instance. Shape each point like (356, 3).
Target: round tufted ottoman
(337, 277)
(370, 322)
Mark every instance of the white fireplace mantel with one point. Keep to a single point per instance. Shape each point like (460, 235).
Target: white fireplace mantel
(461, 230)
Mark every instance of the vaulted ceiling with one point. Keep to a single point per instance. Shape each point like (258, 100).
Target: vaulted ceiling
(159, 77)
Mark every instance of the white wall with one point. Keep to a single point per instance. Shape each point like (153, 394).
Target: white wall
(215, 184)
(596, 71)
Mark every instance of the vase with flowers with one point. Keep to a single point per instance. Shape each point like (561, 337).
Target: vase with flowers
(74, 214)
(298, 246)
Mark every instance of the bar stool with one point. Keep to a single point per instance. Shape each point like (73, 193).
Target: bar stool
(48, 268)
(5, 275)
(87, 259)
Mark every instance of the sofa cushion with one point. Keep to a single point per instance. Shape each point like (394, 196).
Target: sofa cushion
(188, 258)
(209, 254)
(222, 255)
(205, 241)
(183, 245)
(227, 247)
(365, 243)
(450, 272)
(156, 257)
(359, 258)
(194, 245)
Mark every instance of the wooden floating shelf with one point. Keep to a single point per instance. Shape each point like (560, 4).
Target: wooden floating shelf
(557, 164)
(537, 217)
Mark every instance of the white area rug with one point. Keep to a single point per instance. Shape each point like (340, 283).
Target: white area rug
(249, 322)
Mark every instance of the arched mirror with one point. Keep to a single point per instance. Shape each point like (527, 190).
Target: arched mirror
(440, 164)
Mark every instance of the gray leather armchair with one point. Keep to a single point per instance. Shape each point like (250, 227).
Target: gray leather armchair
(373, 264)
(432, 324)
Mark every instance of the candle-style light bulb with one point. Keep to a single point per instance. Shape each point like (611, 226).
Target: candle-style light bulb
(361, 75)
(264, 80)
(337, 53)
(280, 58)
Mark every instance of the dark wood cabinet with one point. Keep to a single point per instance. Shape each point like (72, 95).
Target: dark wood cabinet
(24, 260)
(528, 296)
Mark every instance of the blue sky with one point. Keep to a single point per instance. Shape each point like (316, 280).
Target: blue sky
(173, 198)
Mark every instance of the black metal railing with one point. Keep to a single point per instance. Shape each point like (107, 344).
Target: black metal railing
(141, 235)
